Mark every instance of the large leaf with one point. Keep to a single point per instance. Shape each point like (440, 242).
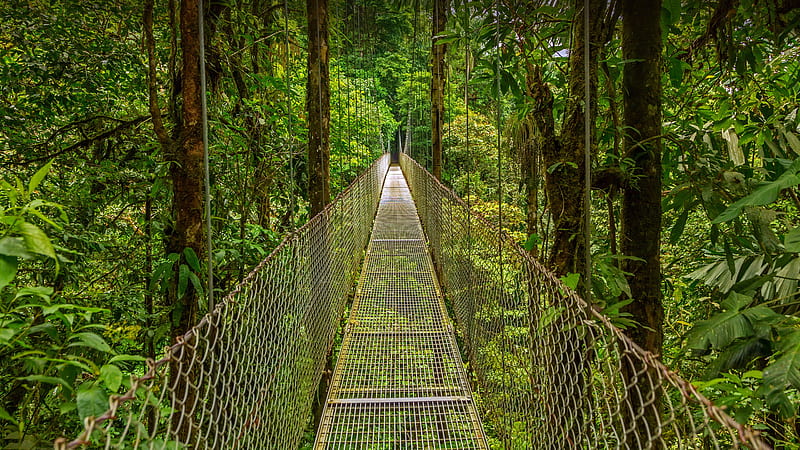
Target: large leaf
(8, 269)
(784, 372)
(91, 340)
(55, 381)
(791, 242)
(39, 176)
(92, 401)
(36, 240)
(719, 331)
(6, 416)
(191, 258)
(183, 279)
(763, 195)
(111, 376)
(14, 246)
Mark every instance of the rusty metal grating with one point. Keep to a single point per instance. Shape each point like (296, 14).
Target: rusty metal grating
(399, 380)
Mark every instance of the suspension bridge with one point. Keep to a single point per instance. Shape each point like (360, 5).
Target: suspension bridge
(445, 335)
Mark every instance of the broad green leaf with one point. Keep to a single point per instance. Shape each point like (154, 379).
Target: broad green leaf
(183, 280)
(719, 331)
(191, 258)
(678, 227)
(571, 280)
(198, 286)
(39, 176)
(757, 374)
(791, 241)
(736, 301)
(119, 358)
(41, 292)
(14, 246)
(8, 269)
(111, 376)
(6, 416)
(764, 194)
(91, 340)
(532, 242)
(55, 381)
(784, 372)
(46, 310)
(67, 407)
(36, 240)
(162, 271)
(92, 401)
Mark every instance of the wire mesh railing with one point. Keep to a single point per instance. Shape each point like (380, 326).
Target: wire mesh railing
(247, 374)
(549, 371)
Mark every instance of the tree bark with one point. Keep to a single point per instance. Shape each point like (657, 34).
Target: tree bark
(564, 161)
(187, 209)
(641, 202)
(438, 52)
(318, 106)
(564, 178)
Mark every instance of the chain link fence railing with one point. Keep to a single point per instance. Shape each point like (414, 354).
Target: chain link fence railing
(549, 371)
(245, 377)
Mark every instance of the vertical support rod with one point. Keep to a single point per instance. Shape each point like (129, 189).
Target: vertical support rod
(206, 168)
(587, 222)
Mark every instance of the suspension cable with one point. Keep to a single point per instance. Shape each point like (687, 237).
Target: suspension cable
(206, 169)
(587, 126)
(288, 82)
(500, 236)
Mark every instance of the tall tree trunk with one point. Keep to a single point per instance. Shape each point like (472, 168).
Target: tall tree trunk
(407, 142)
(641, 202)
(187, 172)
(564, 179)
(563, 157)
(187, 209)
(318, 106)
(438, 78)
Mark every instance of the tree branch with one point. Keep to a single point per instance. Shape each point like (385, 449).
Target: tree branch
(90, 140)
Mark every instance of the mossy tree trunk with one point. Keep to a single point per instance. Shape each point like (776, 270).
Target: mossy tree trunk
(641, 202)
(318, 106)
(438, 80)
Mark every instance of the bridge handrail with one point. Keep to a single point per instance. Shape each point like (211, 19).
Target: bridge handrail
(339, 231)
(443, 215)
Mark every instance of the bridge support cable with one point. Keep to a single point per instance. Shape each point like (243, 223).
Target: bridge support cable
(399, 379)
(507, 326)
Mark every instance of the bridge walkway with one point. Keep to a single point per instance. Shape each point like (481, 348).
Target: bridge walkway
(399, 380)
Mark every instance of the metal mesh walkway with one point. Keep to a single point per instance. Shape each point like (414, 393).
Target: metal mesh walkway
(399, 380)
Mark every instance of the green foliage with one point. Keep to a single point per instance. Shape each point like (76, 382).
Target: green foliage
(51, 352)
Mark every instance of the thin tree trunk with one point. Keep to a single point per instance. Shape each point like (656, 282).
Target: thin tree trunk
(438, 52)
(318, 106)
(407, 143)
(641, 203)
(149, 350)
